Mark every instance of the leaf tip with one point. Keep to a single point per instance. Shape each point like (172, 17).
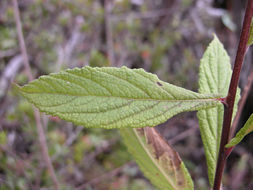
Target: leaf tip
(16, 87)
(214, 36)
(229, 145)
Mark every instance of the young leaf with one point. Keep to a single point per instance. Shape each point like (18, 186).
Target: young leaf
(247, 128)
(250, 41)
(112, 97)
(214, 77)
(157, 159)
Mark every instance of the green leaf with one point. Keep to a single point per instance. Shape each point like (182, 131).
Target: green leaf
(246, 129)
(157, 159)
(112, 97)
(214, 77)
(3, 138)
(250, 40)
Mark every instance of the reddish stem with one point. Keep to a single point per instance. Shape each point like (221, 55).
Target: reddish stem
(230, 99)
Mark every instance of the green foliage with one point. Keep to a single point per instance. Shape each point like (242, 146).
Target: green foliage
(250, 41)
(97, 59)
(122, 98)
(49, 27)
(159, 162)
(112, 97)
(79, 148)
(246, 129)
(214, 76)
(7, 38)
(3, 139)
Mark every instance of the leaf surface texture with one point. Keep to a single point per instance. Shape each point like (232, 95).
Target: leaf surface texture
(214, 77)
(112, 97)
(250, 40)
(246, 129)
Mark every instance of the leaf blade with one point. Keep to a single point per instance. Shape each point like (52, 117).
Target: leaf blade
(112, 97)
(246, 129)
(215, 73)
(153, 154)
(250, 40)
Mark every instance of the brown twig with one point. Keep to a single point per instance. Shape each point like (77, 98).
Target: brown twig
(9, 74)
(108, 33)
(40, 131)
(21, 40)
(7, 53)
(230, 99)
(6, 78)
(242, 102)
(183, 135)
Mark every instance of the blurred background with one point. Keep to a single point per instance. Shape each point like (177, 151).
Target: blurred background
(165, 37)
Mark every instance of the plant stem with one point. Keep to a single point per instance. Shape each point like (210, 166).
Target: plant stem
(40, 130)
(230, 99)
(108, 32)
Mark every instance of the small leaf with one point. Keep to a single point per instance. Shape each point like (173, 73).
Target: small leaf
(112, 97)
(246, 129)
(250, 40)
(3, 138)
(214, 77)
(157, 159)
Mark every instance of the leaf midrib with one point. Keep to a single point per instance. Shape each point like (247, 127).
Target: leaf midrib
(215, 99)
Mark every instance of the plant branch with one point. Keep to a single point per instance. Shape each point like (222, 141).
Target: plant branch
(9, 74)
(40, 131)
(230, 99)
(183, 135)
(108, 32)
(21, 40)
(242, 102)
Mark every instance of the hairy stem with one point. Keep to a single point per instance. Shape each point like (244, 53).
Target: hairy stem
(40, 130)
(230, 99)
